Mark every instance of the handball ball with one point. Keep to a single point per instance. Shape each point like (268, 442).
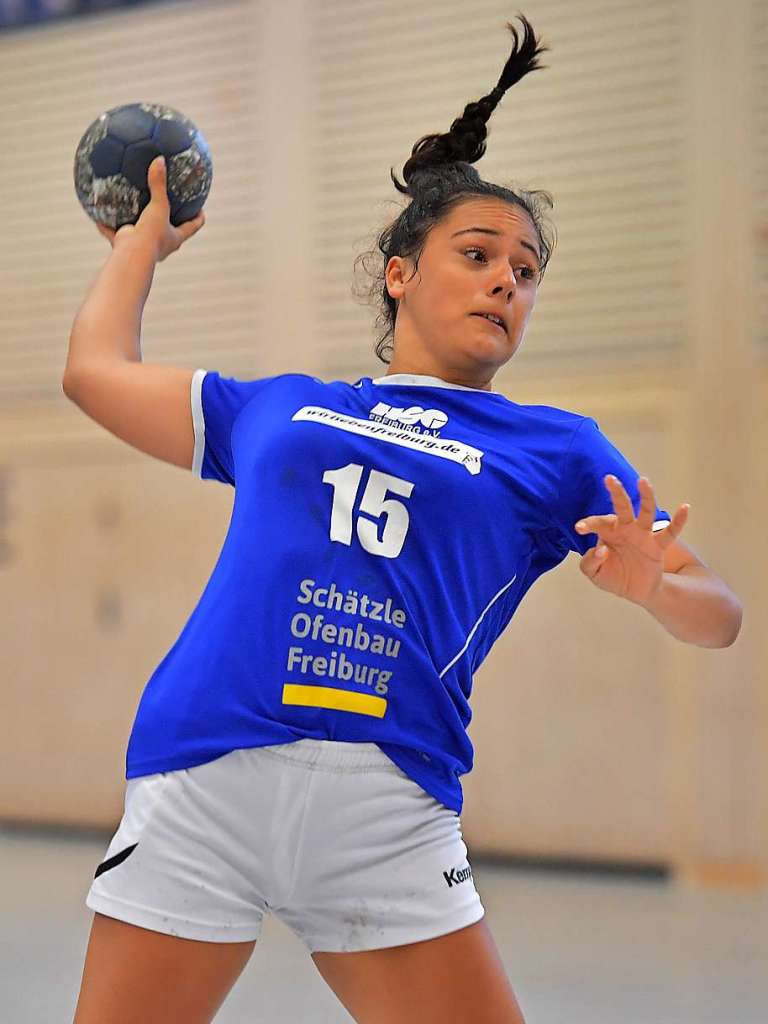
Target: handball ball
(113, 157)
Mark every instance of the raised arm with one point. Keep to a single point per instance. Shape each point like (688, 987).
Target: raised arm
(146, 405)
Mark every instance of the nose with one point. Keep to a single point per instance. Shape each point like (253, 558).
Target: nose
(508, 284)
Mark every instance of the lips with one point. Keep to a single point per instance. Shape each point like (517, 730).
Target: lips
(492, 322)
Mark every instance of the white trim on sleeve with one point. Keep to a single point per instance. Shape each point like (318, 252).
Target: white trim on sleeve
(198, 421)
(660, 524)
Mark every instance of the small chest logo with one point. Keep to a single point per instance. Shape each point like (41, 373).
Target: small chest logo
(420, 421)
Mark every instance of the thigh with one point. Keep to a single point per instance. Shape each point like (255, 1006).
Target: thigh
(456, 977)
(136, 976)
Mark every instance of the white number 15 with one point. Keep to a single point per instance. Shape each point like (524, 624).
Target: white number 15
(346, 484)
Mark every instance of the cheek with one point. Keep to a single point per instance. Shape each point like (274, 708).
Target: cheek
(522, 316)
(443, 299)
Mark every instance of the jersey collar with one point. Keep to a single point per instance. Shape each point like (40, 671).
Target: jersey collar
(421, 380)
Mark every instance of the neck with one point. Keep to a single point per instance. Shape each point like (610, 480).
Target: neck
(427, 369)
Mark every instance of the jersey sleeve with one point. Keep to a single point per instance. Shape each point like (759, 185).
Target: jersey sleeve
(582, 491)
(216, 403)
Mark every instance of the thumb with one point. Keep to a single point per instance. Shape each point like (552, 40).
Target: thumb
(157, 173)
(593, 561)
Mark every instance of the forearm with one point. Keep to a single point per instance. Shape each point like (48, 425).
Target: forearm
(697, 607)
(108, 323)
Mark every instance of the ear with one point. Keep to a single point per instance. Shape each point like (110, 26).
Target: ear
(394, 277)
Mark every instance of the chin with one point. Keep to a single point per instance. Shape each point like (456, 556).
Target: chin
(489, 354)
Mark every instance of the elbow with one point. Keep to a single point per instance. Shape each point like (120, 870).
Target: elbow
(735, 622)
(70, 384)
(731, 625)
(724, 630)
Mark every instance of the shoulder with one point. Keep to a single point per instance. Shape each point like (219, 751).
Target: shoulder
(559, 428)
(240, 390)
(554, 416)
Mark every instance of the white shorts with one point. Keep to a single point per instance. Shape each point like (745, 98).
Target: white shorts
(332, 837)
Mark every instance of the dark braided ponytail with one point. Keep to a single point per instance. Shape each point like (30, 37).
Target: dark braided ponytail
(438, 176)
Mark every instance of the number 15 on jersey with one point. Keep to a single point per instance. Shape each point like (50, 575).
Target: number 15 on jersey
(346, 485)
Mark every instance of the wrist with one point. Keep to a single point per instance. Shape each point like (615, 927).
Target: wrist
(128, 241)
(654, 601)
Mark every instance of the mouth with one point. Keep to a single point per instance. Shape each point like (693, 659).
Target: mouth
(493, 323)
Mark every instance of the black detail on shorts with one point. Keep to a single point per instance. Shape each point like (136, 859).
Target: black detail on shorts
(457, 875)
(112, 862)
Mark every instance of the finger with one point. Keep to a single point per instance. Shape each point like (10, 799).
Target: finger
(597, 524)
(194, 225)
(620, 498)
(675, 528)
(191, 227)
(593, 561)
(647, 512)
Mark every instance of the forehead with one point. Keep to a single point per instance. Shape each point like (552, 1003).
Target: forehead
(512, 220)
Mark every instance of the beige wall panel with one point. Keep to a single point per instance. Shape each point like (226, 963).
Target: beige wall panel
(723, 781)
(107, 560)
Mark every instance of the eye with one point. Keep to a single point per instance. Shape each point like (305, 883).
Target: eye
(532, 274)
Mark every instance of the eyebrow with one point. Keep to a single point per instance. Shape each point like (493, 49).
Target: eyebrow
(491, 231)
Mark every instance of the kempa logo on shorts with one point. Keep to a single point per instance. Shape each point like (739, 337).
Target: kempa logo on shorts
(456, 875)
(412, 418)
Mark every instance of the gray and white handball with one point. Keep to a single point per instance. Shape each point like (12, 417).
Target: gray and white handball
(113, 157)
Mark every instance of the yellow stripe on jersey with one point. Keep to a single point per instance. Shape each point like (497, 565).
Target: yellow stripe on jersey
(334, 699)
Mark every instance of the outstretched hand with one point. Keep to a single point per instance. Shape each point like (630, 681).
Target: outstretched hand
(628, 559)
(154, 223)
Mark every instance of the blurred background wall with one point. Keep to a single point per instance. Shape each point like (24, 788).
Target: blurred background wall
(598, 736)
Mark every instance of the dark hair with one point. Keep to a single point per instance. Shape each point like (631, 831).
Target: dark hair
(439, 176)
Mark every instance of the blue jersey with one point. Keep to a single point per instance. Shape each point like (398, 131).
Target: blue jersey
(382, 535)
